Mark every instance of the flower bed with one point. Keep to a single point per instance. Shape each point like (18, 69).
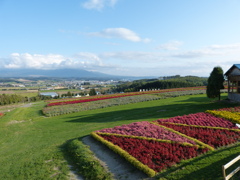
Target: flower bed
(146, 129)
(103, 97)
(156, 155)
(155, 146)
(211, 136)
(232, 116)
(1, 114)
(200, 119)
(232, 109)
(71, 108)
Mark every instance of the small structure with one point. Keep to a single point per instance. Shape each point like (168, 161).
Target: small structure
(233, 78)
(51, 94)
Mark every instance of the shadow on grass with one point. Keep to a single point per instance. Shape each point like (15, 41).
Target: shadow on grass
(153, 111)
(206, 167)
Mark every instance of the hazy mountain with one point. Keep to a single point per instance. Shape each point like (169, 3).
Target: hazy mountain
(63, 73)
(52, 73)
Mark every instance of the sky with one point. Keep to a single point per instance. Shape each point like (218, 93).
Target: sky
(121, 37)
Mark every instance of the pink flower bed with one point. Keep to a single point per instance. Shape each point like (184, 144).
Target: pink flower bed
(200, 119)
(146, 129)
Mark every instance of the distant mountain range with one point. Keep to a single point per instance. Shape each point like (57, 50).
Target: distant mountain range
(52, 73)
(60, 73)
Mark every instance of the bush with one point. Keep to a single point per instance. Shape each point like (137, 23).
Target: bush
(86, 163)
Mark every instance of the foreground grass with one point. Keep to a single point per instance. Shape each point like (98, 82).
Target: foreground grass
(31, 145)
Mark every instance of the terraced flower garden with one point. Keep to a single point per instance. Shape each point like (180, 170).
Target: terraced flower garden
(112, 96)
(71, 105)
(157, 145)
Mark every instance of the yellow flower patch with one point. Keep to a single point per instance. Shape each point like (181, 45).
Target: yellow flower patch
(232, 116)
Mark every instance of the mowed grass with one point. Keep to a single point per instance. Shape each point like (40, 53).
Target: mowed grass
(32, 146)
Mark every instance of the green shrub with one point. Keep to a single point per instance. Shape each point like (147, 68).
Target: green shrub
(87, 164)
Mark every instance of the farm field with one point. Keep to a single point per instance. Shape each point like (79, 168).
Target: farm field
(33, 146)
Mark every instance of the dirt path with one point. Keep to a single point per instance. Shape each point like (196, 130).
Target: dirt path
(117, 165)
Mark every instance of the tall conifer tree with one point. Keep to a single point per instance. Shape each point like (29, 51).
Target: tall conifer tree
(215, 83)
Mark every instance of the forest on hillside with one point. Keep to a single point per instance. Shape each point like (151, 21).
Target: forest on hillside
(164, 83)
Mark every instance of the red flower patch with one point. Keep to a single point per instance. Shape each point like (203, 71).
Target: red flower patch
(156, 155)
(200, 119)
(213, 137)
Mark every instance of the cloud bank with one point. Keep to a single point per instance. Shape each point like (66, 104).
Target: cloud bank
(199, 62)
(50, 61)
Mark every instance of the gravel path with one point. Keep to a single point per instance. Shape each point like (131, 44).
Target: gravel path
(117, 165)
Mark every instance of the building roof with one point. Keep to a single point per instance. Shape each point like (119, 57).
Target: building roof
(49, 94)
(233, 67)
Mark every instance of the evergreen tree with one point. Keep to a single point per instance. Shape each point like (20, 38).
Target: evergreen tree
(215, 83)
(92, 92)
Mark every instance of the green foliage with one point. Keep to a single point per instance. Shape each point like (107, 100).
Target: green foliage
(6, 99)
(215, 83)
(85, 161)
(176, 82)
(92, 92)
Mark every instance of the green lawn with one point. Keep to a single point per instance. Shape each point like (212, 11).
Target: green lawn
(31, 145)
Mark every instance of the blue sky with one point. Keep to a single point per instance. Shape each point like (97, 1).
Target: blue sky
(121, 37)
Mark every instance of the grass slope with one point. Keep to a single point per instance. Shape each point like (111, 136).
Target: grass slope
(31, 145)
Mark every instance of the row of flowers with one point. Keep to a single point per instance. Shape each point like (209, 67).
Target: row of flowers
(232, 116)
(1, 114)
(72, 108)
(103, 97)
(231, 109)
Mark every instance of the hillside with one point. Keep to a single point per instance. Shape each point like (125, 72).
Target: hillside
(174, 82)
(34, 146)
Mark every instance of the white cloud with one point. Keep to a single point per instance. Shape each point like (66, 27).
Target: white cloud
(35, 61)
(196, 53)
(199, 62)
(213, 50)
(98, 4)
(122, 33)
(172, 45)
(51, 61)
(136, 56)
(227, 46)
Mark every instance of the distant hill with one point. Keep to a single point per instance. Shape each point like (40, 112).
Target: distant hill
(173, 82)
(62, 73)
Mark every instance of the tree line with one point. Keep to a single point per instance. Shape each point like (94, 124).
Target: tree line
(178, 82)
(7, 99)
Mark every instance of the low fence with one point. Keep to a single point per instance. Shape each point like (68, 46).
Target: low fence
(224, 167)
